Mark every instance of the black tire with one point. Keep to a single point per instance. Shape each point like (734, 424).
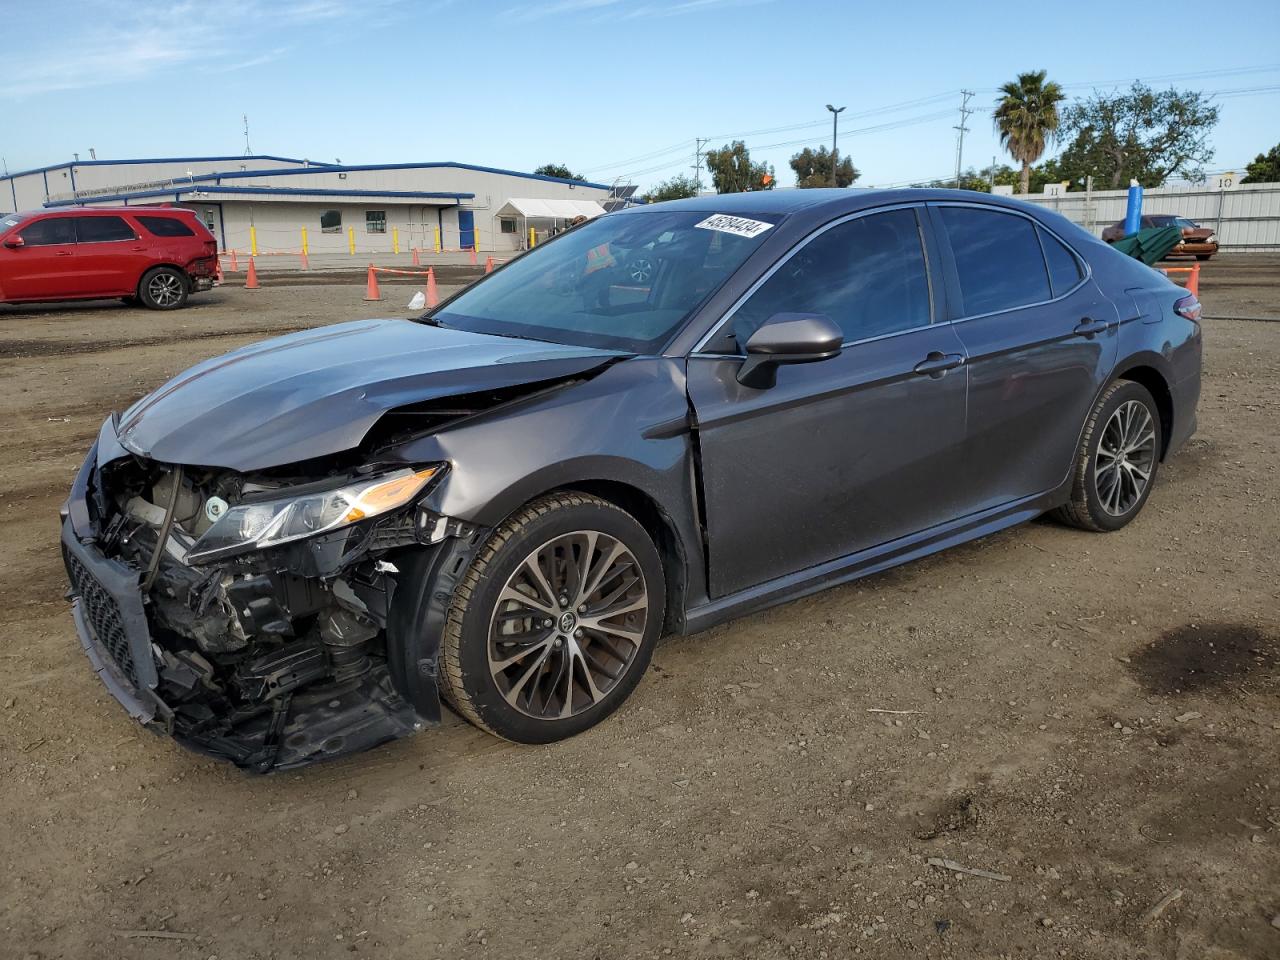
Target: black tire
(164, 288)
(1203, 256)
(466, 678)
(1087, 509)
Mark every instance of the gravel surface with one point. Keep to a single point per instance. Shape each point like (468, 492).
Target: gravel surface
(1046, 744)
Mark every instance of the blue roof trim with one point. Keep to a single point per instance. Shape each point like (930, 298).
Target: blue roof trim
(102, 163)
(316, 167)
(269, 191)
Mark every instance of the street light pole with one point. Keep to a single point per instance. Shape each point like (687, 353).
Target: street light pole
(835, 121)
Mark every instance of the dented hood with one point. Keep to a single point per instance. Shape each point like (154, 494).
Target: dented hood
(318, 392)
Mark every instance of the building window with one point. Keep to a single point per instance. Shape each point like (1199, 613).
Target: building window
(375, 221)
(331, 221)
(507, 224)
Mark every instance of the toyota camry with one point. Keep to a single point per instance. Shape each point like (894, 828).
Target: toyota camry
(663, 419)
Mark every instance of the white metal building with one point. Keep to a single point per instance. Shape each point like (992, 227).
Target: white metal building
(1244, 217)
(371, 207)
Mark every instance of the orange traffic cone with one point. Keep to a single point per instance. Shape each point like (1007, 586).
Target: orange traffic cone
(433, 295)
(488, 264)
(306, 264)
(371, 289)
(473, 254)
(217, 272)
(251, 280)
(416, 261)
(234, 264)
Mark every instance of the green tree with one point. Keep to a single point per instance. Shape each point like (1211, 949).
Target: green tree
(733, 172)
(813, 168)
(558, 170)
(1264, 169)
(1137, 134)
(1026, 117)
(677, 188)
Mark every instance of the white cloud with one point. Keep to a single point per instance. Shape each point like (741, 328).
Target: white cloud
(112, 42)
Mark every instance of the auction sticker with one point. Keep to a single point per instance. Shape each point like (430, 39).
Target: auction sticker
(738, 226)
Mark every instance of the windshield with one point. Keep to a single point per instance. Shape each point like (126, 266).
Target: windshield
(621, 282)
(1184, 222)
(8, 220)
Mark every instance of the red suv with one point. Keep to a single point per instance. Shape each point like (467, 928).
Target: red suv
(153, 255)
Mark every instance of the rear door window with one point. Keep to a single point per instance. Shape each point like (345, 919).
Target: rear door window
(103, 229)
(46, 233)
(166, 227)
(1064, 268)
(867, 274)
(997, 258)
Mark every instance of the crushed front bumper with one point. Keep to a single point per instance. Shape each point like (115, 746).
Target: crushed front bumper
(326, 719)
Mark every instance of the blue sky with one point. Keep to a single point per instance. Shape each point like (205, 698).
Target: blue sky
(613, 88)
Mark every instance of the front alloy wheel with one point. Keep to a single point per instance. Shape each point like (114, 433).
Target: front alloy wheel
(552, 626)
(568, 624)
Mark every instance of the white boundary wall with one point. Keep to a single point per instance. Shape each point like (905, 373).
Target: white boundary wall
(1244, 217)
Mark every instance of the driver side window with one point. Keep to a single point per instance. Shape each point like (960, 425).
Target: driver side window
(867, 274)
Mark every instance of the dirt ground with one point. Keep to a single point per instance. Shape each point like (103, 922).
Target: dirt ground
(1093, 718)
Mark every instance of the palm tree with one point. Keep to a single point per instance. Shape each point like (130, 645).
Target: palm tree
(1026, 117)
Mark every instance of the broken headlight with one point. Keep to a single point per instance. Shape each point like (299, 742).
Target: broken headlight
(269, 523)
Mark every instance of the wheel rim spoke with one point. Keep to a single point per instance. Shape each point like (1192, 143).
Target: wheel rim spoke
(567, 625)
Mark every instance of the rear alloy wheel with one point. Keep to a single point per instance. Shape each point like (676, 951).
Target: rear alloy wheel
(555, 622)
(164, 288)
(1118, 459)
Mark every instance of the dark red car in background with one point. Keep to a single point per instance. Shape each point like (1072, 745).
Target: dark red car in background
(1197, 241)
(156, 256)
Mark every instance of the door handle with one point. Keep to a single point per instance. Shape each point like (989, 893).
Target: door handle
(937, 364)
(64, 253)
(1090, 328)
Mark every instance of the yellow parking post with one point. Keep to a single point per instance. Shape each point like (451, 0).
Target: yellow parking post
(351, 240)
(395, 239)
(305, 249)
(253, 240)
(438, 240)
(533, 238)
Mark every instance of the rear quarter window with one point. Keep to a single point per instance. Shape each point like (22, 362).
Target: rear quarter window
(1064, 268)
(166, 227)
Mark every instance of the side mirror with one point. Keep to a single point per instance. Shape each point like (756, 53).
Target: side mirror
(13, 243)
(788, 338)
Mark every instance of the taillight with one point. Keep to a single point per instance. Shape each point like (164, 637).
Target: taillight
(1189, 308)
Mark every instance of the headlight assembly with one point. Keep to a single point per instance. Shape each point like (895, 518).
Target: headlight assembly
(270, 523)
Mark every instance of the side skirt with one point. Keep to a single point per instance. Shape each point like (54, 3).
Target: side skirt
(872, 560)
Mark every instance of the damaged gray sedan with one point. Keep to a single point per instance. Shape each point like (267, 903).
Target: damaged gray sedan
(665, 418)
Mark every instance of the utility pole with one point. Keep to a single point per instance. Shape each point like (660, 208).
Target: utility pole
(992, 175)
(962, 129)
(247, 150)
(698, 144)
(835, 123)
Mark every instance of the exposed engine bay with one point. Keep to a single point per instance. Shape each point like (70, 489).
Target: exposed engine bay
(268, 657)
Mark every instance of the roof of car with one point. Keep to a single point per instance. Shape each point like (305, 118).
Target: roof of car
(135, 211)
(825, 201)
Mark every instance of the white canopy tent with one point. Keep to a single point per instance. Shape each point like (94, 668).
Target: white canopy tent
(547, 216)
